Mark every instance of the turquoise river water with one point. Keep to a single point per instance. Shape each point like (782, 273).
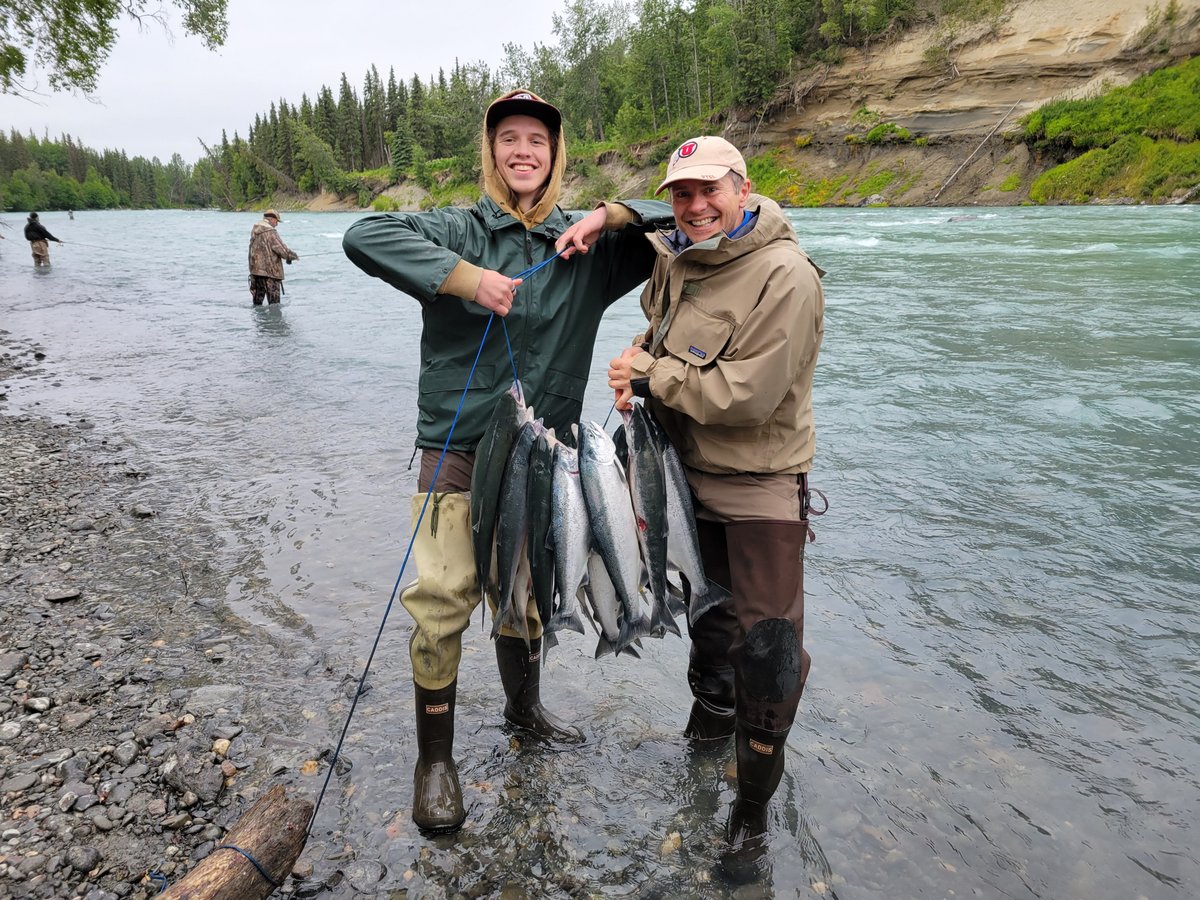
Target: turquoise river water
(1002, 599)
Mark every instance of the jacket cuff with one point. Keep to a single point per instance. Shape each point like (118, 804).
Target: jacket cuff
(640, 387)
(639, 366)
(617, 216)
(463, 281)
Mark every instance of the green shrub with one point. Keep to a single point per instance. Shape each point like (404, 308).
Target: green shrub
(1011, 183)
(875, 184)
(769, 176)
(1132, 167)
(1163, 104)
(865, 117)
(814, 193)
(888, 132)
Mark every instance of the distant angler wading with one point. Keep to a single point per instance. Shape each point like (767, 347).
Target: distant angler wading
(268, 252)
(38, 237)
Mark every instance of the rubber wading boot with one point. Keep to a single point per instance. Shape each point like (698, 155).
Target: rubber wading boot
(711, 721)
(437, 796)
(760, 758)
(710, 676)
(520, 672)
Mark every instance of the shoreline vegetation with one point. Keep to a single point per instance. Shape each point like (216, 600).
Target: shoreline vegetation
(877, 103)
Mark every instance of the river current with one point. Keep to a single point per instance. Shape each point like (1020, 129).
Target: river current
(1001, 602)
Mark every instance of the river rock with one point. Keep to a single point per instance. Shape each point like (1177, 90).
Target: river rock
(83, 858)
(61, 594)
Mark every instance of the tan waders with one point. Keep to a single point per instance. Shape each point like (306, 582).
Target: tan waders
(762, 634)
(440, 602)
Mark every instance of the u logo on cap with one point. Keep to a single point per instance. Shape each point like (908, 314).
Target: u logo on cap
(687, 149)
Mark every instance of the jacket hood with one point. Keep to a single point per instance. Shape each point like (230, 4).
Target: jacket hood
(496, 188)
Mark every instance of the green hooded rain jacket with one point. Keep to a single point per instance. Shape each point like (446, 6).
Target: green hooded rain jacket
(552, 325)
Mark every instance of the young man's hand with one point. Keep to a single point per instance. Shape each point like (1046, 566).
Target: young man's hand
(580, 236)
(496, 292)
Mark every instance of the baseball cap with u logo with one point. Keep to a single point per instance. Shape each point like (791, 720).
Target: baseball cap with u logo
(706, 158)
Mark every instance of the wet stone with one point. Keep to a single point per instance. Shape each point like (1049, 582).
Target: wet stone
(61, 594)
(11, 663)
(73, 720)
(86, 802)
(126, 753)
(83, 859)
(208, 700)
(364, 874)
(18, 783)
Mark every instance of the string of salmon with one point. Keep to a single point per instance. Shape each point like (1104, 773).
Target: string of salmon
(416, 529)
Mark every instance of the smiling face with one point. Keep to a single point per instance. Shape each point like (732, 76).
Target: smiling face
(704, 209)
(522, 151)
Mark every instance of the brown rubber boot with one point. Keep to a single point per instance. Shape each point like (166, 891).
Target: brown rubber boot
(521, 673)
(437, 796)
(760, 758)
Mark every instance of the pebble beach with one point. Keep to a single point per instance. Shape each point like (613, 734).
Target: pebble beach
(131, 739)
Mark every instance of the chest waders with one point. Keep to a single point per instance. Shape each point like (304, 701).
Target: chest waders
(748, 668)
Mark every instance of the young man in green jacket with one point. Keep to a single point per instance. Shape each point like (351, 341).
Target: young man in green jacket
(459, 263)
(736, 319)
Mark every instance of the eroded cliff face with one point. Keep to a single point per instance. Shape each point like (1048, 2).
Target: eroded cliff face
(1036, 52)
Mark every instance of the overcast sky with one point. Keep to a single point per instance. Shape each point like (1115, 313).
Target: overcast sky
(156, 96)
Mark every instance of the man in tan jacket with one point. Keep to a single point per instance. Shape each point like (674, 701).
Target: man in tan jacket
(267, 253)
(736, 319)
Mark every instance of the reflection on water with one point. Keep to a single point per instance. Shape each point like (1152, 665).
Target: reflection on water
(269, 319)
(1004, 698)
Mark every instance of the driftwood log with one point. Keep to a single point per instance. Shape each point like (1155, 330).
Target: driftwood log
(272, 831)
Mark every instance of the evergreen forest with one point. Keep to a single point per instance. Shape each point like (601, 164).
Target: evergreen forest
(621, 72)
(638, 73)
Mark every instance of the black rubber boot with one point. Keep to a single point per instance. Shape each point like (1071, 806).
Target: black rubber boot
(710, 675)
(706, 727)
(760, 758)
(521, 672)
(437, 796)
(711, 720)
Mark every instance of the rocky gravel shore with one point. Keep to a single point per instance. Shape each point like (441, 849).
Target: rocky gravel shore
(133, 726)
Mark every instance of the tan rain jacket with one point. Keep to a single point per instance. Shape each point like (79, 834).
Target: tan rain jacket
(267, 251)
(731, 370)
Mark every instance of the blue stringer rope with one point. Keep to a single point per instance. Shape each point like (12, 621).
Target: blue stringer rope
(261, 871)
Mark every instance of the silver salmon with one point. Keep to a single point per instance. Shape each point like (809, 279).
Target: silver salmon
(571, 536)
(512, 528)
(614, 527)
(648, 491)
(491, 460)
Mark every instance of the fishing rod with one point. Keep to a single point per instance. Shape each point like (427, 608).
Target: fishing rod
(98, 247)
